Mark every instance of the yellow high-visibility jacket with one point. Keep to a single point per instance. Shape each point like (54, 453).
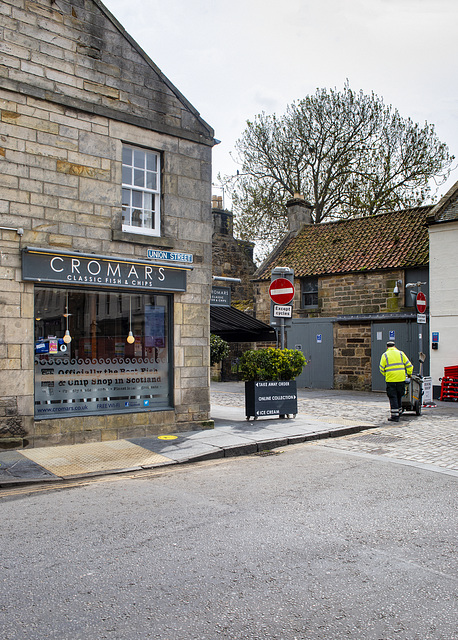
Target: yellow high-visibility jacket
(394, 365)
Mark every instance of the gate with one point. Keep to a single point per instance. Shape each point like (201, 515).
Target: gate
(406, 336)
(315, 338)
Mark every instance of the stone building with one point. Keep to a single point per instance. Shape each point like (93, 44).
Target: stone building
(232, 257)
(235, 323)
(105, 234)
(352, 292)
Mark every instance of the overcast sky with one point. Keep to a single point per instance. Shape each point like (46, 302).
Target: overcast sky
(233, 59)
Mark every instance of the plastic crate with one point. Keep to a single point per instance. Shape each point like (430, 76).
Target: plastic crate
(451, 372)
(449, 389)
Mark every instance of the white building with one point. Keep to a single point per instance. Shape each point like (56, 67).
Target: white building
(443, 270)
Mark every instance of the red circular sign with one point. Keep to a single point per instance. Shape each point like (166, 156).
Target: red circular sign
(281, 291)
(421, 302)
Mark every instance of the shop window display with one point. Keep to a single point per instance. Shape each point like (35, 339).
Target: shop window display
(101, 352)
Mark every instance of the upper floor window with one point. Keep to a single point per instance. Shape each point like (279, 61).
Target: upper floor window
(309, 292)
(141, 191)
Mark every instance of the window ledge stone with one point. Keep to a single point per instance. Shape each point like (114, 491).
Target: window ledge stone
(135, 238)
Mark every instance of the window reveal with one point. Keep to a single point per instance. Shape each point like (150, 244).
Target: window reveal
(99, 372)
(309, 292)
(140, 191)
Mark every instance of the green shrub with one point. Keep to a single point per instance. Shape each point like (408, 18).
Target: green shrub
(219, 349)
(271, 364)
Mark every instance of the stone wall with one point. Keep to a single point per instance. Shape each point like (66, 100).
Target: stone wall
(346, 295)
(65, 113)
(232, 258)
(352, 356)
(351, 294)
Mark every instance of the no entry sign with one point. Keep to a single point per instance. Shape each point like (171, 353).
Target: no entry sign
(421, 302)
(281, 291)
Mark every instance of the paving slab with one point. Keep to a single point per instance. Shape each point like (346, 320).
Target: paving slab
(15, 467)
(83, 459)
(181, 449)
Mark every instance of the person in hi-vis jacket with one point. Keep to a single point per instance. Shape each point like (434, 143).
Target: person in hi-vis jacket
(395, 366)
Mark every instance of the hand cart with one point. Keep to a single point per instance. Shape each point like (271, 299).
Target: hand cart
(412, 399)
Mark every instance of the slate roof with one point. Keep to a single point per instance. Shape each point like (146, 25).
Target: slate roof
(446, 210)
(396, 240)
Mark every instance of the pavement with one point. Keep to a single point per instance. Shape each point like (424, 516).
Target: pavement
(351, 421)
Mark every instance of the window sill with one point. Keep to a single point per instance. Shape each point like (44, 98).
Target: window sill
(137, 238)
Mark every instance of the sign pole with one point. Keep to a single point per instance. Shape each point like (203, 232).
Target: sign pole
(420, 335)
(421, 319)
(281, 292)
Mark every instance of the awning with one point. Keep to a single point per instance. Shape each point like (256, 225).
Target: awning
(235, 326)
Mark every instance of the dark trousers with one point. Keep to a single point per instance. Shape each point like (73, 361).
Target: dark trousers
(395, 391)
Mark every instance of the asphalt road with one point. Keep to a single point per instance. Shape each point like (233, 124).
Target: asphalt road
(308, 543)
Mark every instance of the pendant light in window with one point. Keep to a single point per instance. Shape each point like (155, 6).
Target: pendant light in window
(130, 337)
(67, 336)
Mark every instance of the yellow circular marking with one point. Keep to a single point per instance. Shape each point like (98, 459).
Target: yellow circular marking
(167, 437)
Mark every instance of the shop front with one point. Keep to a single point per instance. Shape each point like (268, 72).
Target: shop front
(103, 334)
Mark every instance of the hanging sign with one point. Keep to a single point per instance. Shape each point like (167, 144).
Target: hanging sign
(220, 297)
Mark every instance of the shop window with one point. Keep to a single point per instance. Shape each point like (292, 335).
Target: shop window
(309, 293)
(84, 364)
(141, 191)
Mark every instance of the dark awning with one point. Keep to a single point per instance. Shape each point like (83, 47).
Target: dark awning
(235, 326)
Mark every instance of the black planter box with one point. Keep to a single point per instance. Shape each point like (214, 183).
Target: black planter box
(270, 398)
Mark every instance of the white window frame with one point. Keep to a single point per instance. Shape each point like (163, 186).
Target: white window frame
(133, 191)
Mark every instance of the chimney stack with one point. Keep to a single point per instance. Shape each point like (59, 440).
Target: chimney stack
(299, 212)
(217, 202)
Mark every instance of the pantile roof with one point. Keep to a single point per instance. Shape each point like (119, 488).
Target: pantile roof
(396, 240)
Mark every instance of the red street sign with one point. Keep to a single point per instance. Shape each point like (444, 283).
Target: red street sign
(281, 291)
(421, 302)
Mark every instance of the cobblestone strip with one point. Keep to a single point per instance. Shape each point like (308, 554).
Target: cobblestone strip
(431, 438)
(427, 441)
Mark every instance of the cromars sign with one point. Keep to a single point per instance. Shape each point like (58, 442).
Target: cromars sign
(44, 266)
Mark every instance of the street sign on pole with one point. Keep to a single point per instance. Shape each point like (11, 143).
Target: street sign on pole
(281, 291)
(283, 311)
(421, 302)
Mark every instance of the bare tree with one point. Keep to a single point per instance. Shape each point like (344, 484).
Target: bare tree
(347, 153)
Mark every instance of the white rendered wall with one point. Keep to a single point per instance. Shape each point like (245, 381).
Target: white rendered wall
(443, 274)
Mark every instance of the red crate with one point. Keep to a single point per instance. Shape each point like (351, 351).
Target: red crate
(451, 372)
(449, 389)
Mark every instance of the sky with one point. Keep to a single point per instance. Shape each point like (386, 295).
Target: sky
(233, 59)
